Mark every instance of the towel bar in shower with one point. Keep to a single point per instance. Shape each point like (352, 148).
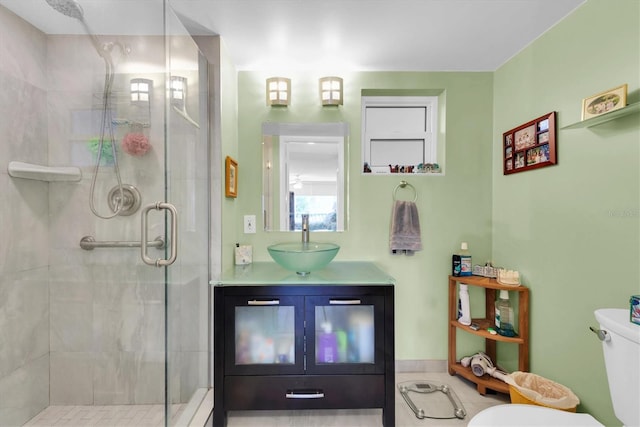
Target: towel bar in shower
(89, 243)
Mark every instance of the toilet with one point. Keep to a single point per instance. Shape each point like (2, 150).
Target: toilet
(621, 347)
(530, 415)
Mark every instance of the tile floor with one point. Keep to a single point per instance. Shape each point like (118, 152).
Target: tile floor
(472, 401)
(103, 416)
(152, 415)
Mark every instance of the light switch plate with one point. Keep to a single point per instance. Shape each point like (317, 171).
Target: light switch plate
(249, 224)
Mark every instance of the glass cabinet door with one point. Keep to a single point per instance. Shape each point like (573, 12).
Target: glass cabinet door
(267, 335)
(344, 335)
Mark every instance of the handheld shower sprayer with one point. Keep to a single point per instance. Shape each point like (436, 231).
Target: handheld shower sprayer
(72, 9)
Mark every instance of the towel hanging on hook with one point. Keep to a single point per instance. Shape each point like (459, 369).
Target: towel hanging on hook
(404, 184)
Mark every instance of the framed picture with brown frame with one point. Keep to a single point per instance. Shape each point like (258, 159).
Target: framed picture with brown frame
(231, 178)
(530, 146)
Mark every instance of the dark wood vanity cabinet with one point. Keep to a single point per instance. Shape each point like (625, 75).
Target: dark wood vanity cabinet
(303, 347)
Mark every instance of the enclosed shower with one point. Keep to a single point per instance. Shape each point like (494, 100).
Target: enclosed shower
(105, 224)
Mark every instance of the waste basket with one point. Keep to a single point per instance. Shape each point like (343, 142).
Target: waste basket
(528, 388)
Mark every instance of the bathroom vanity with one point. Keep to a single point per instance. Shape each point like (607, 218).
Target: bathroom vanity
(321, 341)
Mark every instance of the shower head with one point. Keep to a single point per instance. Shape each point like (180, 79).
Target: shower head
(70, 8)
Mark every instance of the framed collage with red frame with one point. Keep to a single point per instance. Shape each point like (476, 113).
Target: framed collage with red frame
(530, 146)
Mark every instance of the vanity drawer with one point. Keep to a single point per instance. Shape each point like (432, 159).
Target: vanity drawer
(304, 392)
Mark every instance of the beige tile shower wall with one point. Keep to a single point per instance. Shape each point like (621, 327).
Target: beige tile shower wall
(107, 307)
(24, 309)
(89, 322)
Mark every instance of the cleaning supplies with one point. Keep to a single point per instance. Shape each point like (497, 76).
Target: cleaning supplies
(455, 265)
(466, 267)
(464, 310)
(327, 345)
(504, 315)
(634, 309)
(243, 254)
(461, 262)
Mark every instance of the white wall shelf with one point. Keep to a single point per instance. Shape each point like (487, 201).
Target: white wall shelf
(629, 109)
(44, 173)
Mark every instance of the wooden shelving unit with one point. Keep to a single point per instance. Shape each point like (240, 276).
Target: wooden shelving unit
(522, 340)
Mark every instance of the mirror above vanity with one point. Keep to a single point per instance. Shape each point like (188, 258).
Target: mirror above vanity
(303, 172)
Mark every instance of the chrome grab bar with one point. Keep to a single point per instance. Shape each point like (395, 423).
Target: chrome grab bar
(174, 234)
(89, 243)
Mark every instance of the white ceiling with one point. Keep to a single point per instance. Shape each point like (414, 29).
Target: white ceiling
(333, 35)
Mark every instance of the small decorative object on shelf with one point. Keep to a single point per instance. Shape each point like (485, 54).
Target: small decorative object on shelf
(428, 168)
(421, 168)
(508, 277)
(530, 146)
(400, 169)
(604, 102)
(486, 270)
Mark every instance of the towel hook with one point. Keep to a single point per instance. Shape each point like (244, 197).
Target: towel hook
(404, 184)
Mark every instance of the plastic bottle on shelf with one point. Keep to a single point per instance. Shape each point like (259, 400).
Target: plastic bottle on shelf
(464, 310)
(466, 268)
(504, 315)
(327, 345)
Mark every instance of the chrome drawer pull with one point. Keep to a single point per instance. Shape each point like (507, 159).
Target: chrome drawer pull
(292, 394)
(270, 302)
(345, 302)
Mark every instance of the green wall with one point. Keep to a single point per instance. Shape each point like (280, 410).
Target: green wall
(229, 147)
(453, 208)
(573, 229)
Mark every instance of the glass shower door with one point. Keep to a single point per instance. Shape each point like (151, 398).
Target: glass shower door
(186, 187)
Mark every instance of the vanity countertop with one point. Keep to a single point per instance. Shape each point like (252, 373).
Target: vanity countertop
(336, 273)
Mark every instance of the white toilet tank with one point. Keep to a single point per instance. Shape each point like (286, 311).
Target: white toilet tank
(622, 360)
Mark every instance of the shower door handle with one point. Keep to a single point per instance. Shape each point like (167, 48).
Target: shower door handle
(174, 234)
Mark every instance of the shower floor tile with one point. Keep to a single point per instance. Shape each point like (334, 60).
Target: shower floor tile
(103, 416)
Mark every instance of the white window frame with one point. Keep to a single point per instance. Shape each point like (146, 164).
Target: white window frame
(427, 135)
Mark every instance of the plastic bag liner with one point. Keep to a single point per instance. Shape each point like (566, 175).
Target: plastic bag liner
(541, 391)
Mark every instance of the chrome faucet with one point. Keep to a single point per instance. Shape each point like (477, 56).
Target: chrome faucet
(305, 228)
